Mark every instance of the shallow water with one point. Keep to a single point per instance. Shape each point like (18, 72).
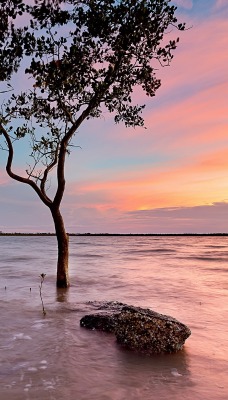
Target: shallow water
(53, 358)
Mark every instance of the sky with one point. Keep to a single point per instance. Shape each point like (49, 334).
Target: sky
(171, 177)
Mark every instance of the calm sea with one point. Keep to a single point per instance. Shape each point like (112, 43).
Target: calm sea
(53, 358)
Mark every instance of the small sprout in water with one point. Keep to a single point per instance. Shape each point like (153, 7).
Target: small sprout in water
(42, 276)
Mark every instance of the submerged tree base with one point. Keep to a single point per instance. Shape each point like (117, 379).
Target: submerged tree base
(62, 283)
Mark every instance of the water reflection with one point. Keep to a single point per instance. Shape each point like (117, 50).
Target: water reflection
(62, 295)
(162, 369)
(52, 358)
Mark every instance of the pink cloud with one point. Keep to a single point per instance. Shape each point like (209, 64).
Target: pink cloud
(191, 105)
(220, 4)
(196, 219)
(3, 178)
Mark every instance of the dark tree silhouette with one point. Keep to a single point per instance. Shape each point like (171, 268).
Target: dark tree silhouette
(80, 57)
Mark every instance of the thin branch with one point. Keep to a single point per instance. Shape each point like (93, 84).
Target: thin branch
(6, 91)
(19, 178)
(47, 170)
(66, 110)
(30, 171)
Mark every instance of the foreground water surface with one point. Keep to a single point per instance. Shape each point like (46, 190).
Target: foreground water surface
(53, 358)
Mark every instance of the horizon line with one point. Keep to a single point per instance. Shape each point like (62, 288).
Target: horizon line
(112, 234)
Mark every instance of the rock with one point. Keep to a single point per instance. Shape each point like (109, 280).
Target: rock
(148, 332)
(138, 329)
(101, 322)
(106, 320)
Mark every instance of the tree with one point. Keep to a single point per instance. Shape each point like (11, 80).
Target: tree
(80, 57)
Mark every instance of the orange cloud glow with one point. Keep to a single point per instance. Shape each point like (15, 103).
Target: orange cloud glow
(197, 181)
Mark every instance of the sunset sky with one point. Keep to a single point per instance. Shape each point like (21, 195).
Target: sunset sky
(169, 178)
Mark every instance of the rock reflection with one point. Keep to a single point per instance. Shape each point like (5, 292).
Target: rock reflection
(156, 373)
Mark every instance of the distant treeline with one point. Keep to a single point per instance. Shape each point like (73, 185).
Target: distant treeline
(114, 234)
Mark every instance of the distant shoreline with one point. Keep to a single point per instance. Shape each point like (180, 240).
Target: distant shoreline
(115, 234)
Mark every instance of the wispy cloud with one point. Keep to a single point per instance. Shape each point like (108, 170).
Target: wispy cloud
(207, 218)
(220, 4)
(197, 219)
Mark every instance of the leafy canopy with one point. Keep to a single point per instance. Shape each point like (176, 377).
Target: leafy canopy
(80, 57)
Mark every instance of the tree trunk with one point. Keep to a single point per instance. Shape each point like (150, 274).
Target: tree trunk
(63, 249)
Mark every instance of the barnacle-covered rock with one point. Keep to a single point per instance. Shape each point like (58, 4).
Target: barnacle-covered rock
(146, 331)
(101, 322)
(138, 329)
(107, 318)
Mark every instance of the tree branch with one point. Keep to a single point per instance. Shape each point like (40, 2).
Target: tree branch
(47, 170)
(94, 102)
(45, 199)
